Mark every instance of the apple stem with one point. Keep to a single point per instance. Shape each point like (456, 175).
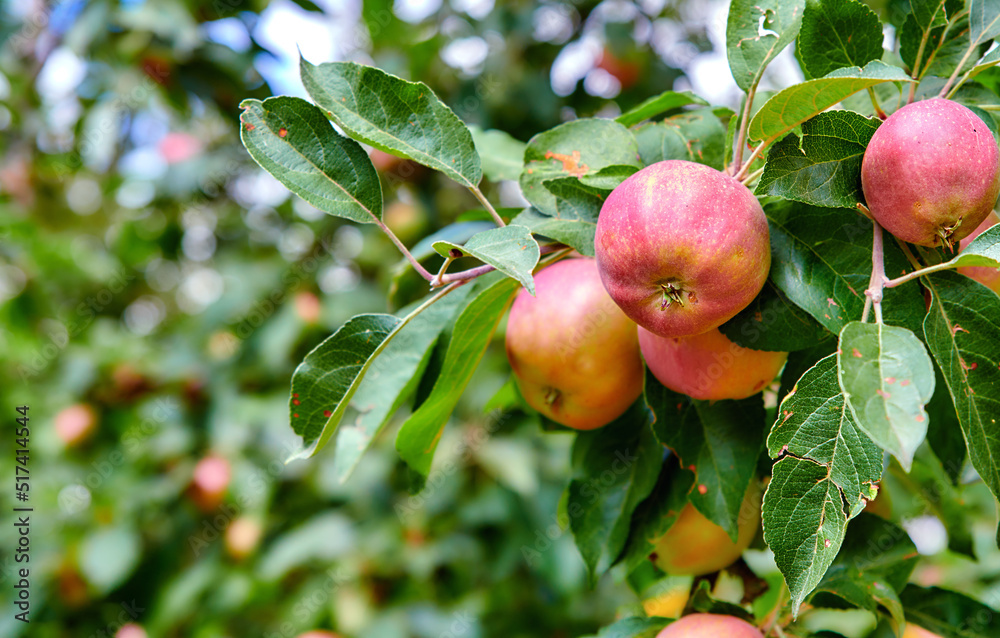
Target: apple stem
(741, 138)
(402, 248)
(878, 109)
(556, 252)
(741, 174)
(878, 278)
(671, 295)
(551, 396)
(752, 176)
(486, 203)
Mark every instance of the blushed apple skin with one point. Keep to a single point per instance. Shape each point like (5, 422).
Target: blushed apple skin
(709, 626)
(930, 172)
(709, 366)
(696, 546)
(690, 227)
(989, 277)
(913, 631)
(574, 353)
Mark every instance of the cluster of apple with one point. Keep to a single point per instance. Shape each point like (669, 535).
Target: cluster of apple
(680, 249)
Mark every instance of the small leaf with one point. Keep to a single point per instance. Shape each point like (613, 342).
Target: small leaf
(815, 423)
(396, 116)
(719, 441)
(501, 155)
(772, 322)
(948, 613)
(577, 233)
(650, 108)
(615, 468)
(579, 148)
(325, 381)
(962, 329)
(838, 33)
(418, 437)
(756, 32)
(391, 380)
(804, 523)
(291, 139)
(800, 102)
(695, 136)
(824, 167)
(509, 249)
(887, 378)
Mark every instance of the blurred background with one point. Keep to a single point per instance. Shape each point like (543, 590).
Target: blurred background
(157, 290)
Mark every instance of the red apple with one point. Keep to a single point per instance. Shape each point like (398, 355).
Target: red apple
(709, 366)
(131, 630)
(696, 546)
(319, 634)
(75, 424)
(709, 626)
(209, 482)
(989, 277)
(930, 172)
(574, 353)
(307, 306)
(682, 247)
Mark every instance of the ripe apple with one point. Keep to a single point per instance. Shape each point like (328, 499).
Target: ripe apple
(709, 626)
(209, 482)
(242, 537)
(989, 277)
(131, 630)
(709, 366)
(75, 424)
(682, 247)
(913, 631)
(574, 353)
(308, 307)
(319, 634)
(696, 546)
(930, 172)
(668, 604)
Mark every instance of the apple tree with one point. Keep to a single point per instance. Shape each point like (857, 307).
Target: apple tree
(810, 278)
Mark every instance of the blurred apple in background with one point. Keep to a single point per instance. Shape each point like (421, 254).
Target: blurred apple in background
(243, 537)
(209, 482)
(307, 307)
(76, 424)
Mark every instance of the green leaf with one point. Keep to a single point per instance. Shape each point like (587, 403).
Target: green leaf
(984, 250)
(772, 322)
(396, 116)
(984, 20)
(695, 136)
(702, 601)
(874, 562)
(666, 101)
(815, 423)
(962, 329)
(292, 140)
(579, 148)
(821, 260)
(391, 380)
(576, 200)
(838, 33)
(824, 167)
(325, 381)
(418, 437)
(609, 177)
(796, 104)
(719, 441)
(756, 32)
(108, 556)
(510, 249)
(501, 155)
(657, 514)
(887, 378)
(928, 13)
(615, 468)
(578, 233)
(804, 523)
(949, 614)
(633, 627)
